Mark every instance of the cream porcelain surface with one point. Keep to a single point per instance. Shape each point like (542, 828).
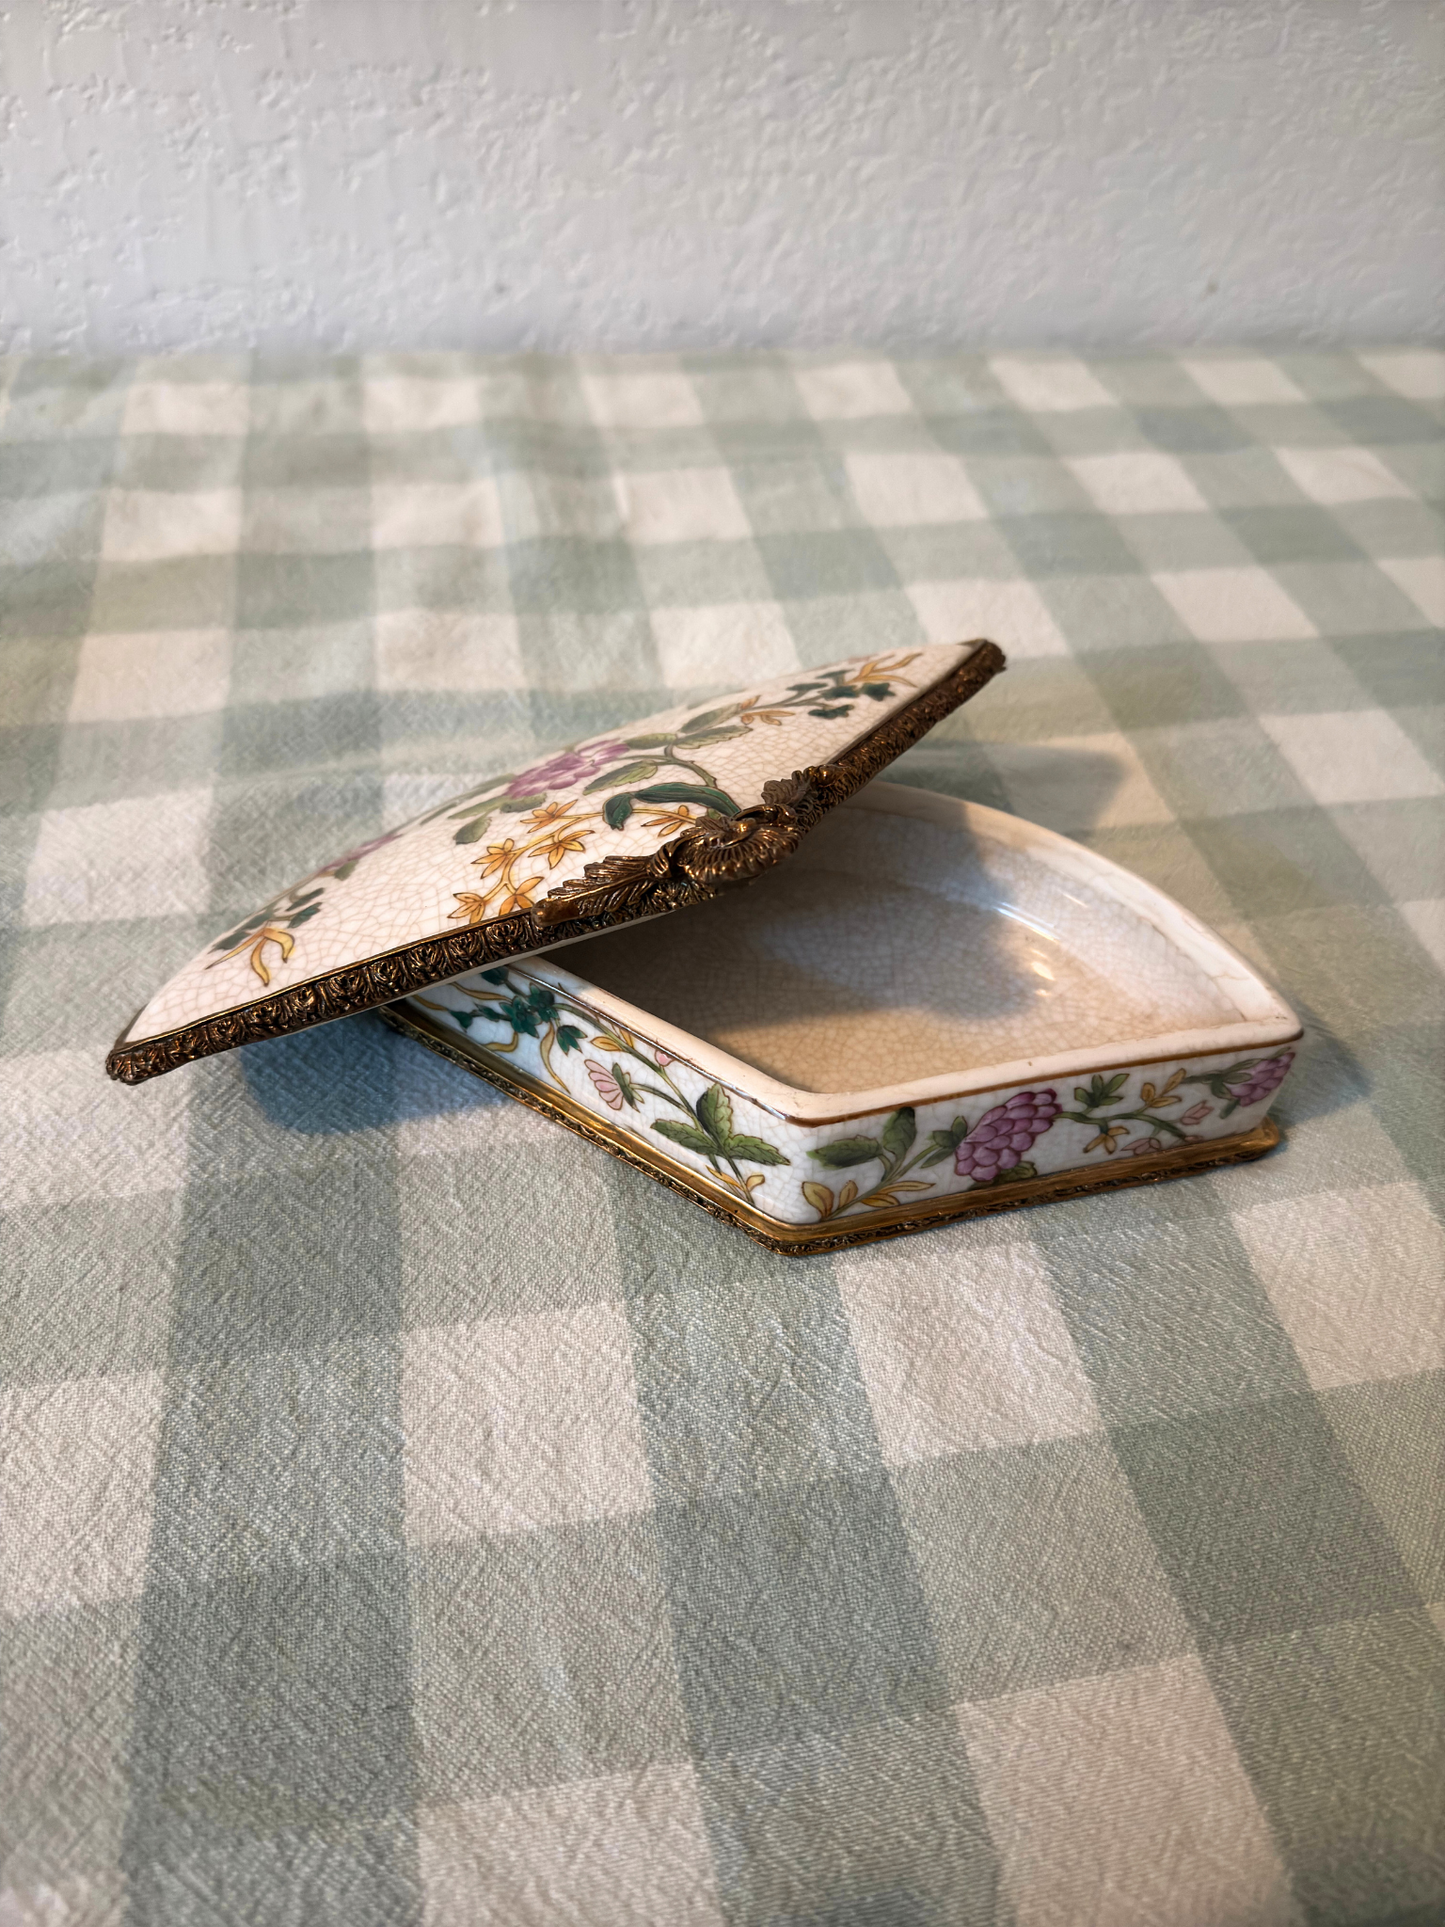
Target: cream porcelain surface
(503, 846)
(890, 947)
(921, 974)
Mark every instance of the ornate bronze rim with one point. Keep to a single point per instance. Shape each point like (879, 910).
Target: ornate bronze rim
(803, 1241)
(716, 856)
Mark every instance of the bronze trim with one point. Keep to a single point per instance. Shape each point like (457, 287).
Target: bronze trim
(618, 890)
(801, 1241)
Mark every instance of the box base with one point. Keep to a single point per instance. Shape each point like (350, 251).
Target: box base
(802, 1241)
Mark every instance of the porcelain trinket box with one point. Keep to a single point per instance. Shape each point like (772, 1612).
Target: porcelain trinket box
(918, 1008)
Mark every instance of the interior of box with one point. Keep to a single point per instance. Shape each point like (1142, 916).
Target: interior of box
(890, 949)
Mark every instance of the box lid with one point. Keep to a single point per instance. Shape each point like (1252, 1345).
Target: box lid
(636, 822)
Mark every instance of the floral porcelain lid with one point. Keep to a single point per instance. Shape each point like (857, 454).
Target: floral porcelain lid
(634, 823)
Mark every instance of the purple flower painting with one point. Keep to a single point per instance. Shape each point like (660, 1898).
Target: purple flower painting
(1263, 1080)
(1000, 1138)
(1250, 1081)
(567, 767)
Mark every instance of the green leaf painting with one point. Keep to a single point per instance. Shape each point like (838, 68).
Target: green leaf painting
(1016, 1174)
(753, 1150)
(846, 1151)
(687, 1135)
(623, 778)
(943, 1143)
(710, 716)
(706, 1125)
(700, 793)
(898, 1134)
(474, 829)
(715, 1138)
(715, 1113)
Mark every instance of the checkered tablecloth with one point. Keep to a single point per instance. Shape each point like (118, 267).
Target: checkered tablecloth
(406, 1511)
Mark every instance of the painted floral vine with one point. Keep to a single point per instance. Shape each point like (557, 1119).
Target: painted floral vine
(512, 868)
(994, 1149)
(549, 833)
(706, 1126)
(656, 775)
(276, 922)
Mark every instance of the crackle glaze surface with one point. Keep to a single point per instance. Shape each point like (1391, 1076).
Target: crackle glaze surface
(504, 845)
(877, 1009)
(889, 948)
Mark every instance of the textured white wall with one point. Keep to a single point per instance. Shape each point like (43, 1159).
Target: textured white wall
(662, 173)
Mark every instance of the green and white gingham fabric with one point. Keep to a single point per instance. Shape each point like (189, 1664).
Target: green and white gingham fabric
(407, 1513)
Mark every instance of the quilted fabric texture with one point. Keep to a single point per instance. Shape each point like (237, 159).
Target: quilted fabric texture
(408, 1513)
